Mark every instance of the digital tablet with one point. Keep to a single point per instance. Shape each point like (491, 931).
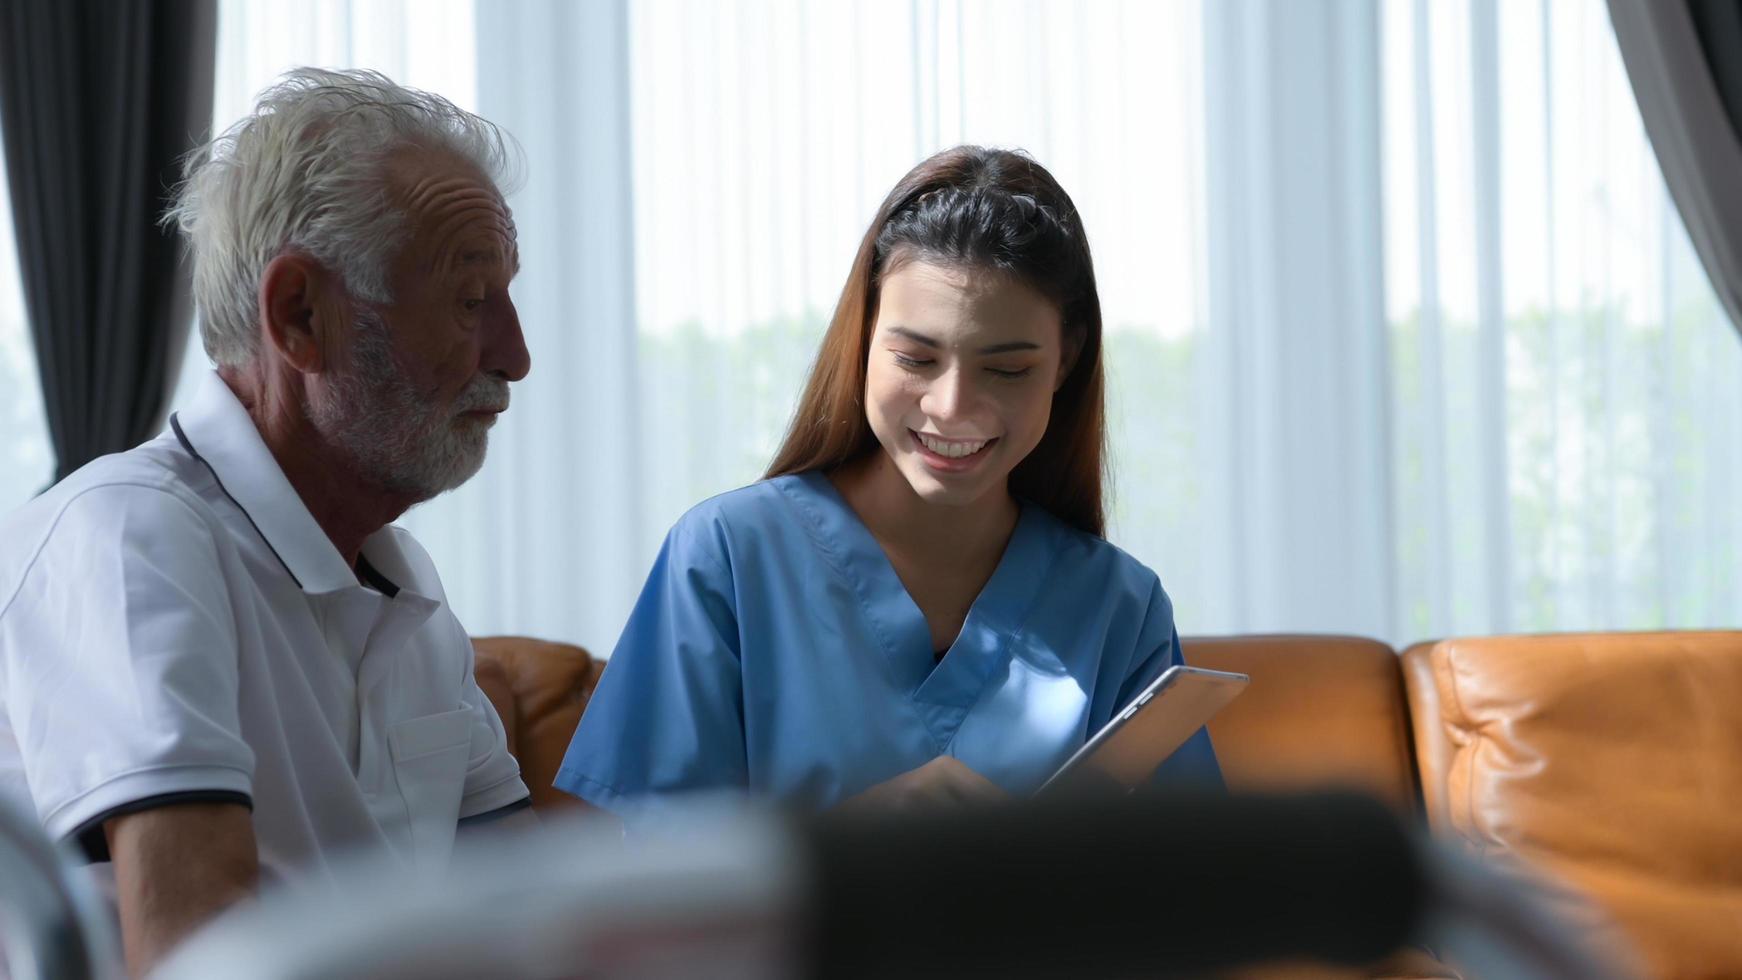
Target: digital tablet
(1170, 710)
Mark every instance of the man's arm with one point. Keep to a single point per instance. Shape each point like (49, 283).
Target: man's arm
(505, 823)
(176, 867)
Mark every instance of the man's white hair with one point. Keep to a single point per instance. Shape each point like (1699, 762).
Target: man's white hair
(305, 171)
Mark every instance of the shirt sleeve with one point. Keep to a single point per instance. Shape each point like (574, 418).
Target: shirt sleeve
(1194, 763)
(119, 658)
(492, 774)
(667, 717)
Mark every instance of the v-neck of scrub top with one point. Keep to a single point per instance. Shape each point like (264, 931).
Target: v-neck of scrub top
(942, 690)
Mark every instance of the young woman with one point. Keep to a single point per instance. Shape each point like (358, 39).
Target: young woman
(916, 604)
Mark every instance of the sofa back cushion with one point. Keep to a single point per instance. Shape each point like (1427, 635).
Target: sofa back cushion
(1611, 761)
(1320, 711)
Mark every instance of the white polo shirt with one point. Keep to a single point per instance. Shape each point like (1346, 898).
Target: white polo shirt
(175, 626)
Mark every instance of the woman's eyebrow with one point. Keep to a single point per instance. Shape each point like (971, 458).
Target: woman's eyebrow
(1004, 348)
(916, 337)
(1014, 345)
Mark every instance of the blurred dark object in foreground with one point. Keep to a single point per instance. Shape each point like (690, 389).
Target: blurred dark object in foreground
(1158, 886)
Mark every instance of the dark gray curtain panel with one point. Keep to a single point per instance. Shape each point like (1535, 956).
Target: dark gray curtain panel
(1684, 60)
(1719, 24)
(99, 99)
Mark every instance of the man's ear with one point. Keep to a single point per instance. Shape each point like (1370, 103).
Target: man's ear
(1072, 349)
(292, 296)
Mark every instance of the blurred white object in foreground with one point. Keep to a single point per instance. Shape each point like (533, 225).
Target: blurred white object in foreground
(573, 897)
(52, 922)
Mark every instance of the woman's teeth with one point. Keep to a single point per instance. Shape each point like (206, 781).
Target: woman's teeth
(951, 450)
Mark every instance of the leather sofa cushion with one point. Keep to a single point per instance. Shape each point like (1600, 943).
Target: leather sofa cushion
(1611, 761)
(540, 690)
(1320, 711)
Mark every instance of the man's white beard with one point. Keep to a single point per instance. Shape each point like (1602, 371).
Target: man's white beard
(396, 436)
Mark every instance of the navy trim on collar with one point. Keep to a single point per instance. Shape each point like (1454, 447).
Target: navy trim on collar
(375, 579)
(182, 438)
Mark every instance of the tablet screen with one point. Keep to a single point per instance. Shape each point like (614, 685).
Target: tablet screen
(1158, 721)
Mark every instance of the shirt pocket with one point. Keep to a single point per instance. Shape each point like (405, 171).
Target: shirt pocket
(430, 756)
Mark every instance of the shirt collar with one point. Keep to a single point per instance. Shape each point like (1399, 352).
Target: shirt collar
(218, 430)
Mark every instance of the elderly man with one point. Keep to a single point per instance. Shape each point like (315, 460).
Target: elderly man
(218, 662)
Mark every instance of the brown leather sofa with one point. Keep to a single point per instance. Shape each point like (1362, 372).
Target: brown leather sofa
(1611, 761)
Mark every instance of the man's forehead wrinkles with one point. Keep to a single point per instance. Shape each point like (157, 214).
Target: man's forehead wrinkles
(467, 226)
(450, 220)
(447, 211)
(464, 224)
(432, 185)
(439, 198)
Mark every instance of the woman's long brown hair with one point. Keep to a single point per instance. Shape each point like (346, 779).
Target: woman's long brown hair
(976, 208)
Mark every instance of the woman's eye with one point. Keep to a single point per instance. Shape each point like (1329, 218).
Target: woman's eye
(472, 305)
(1019, 373)
(910, 362)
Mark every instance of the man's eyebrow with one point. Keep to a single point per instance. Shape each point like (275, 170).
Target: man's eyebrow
(486, 257)
(479, 256)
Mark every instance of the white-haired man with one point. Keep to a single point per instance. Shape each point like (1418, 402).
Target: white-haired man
(218, 663)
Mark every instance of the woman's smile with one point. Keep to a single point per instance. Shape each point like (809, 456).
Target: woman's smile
(950, 455)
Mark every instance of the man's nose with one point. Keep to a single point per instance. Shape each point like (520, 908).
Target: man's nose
(505, 354)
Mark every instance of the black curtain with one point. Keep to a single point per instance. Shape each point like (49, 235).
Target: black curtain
(99, 99)
(1719, 25)
(1684, 59)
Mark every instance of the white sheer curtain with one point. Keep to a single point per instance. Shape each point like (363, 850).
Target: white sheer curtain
(1566, 395)
(1404, 337)
(26, 461)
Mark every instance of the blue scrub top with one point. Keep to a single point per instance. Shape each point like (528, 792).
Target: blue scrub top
(774, 650)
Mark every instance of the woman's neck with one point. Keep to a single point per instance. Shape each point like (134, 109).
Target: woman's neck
(905, 523)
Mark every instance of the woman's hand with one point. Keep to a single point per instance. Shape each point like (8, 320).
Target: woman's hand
(943, 782)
